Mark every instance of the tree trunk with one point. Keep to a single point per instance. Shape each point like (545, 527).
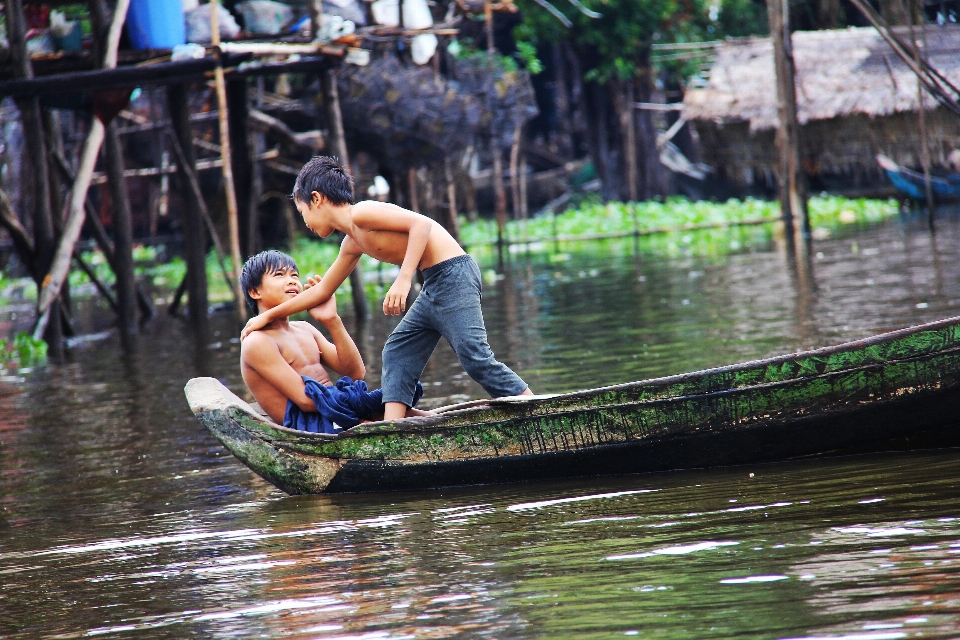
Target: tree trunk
(598, 133)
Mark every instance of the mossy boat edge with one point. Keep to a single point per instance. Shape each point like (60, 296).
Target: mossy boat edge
(850, 397)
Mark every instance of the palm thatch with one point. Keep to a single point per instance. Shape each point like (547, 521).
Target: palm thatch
(855, 99)
(839, 73)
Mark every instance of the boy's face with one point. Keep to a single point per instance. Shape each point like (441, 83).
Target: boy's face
(315, 215)
(277, 285)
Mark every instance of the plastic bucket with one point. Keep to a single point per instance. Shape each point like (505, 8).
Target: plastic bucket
(155, 24)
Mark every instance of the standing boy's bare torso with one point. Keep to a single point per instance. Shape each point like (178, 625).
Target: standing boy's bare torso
(299, 349)
(391, 246)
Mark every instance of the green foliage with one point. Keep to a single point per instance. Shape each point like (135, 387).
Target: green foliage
(23, 351)
(737, 18)
(527, 55)
(616, 45)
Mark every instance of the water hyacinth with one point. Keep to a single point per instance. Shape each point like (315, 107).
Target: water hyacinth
(618, 217)
(21, 352)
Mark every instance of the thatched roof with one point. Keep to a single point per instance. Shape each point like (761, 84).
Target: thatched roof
(839, 73)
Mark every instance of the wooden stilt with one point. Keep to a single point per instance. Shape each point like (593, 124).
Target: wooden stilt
(229, 186)
(194, 238)
(338, 140)
(921, 118)
(44, 239)
(500, 194)
(177, 297)
(238, 109)
(453, 222)
(625, 113)
(95, 228)
(792, 182)
(60, 267)
(97, 282)
(515, 171)
(122, 234)
(189, 170)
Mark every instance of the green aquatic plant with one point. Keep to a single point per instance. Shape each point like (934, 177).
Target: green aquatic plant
(595, 218)
(23, 351)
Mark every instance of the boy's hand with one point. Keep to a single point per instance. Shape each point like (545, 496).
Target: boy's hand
(396, 301)
(325, 311)
(254, 324)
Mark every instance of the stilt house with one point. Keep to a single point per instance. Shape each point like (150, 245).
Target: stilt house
(856, 99)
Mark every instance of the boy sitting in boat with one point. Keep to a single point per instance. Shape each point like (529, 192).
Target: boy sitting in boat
(283, 365)
(448, 304)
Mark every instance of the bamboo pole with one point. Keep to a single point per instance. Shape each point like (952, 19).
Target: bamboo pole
(229, 188)
(60, 268)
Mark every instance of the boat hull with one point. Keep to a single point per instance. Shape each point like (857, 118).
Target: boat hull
(898, 390)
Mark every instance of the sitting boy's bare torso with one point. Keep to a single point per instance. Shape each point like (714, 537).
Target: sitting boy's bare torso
(297, 345)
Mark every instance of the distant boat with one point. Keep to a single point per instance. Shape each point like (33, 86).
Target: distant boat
(891, 391)
(911, 183)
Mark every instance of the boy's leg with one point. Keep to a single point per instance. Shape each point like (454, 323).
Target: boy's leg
(405, 355)
(461, 323)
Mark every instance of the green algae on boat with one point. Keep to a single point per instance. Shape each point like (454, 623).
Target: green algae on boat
(857, 396)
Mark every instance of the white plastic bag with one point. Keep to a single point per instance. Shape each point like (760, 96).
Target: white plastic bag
(265, 16)
(198, 24)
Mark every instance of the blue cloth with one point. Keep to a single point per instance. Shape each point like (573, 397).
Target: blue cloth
(344, 405)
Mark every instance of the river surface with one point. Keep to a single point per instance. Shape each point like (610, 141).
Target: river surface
(121, 516)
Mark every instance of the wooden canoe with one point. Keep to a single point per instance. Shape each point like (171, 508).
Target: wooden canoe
(913, 183)
(894, 390)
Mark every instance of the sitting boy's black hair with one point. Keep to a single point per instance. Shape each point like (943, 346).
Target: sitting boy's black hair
(326, 176)
(251, 276)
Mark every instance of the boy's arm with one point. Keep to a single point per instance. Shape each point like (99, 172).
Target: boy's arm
(262, 354)
(342, 355)
(346, 260)
(386, 217)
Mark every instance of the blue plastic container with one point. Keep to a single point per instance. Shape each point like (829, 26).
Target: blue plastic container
(156, 24)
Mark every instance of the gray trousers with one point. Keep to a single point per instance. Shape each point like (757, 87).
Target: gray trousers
(448, 306)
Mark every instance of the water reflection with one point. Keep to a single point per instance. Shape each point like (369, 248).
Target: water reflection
(120, 513)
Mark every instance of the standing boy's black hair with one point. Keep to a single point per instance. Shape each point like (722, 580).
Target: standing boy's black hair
(251, 277)
(326, 176)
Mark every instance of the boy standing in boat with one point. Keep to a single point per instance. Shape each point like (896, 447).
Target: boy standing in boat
(448, 304)
(284, 364)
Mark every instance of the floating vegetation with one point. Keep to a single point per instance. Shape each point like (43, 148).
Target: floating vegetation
(21, 352)
(690, 228)
(676, 214)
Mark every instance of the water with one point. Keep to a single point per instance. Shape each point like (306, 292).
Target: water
(120, 515)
